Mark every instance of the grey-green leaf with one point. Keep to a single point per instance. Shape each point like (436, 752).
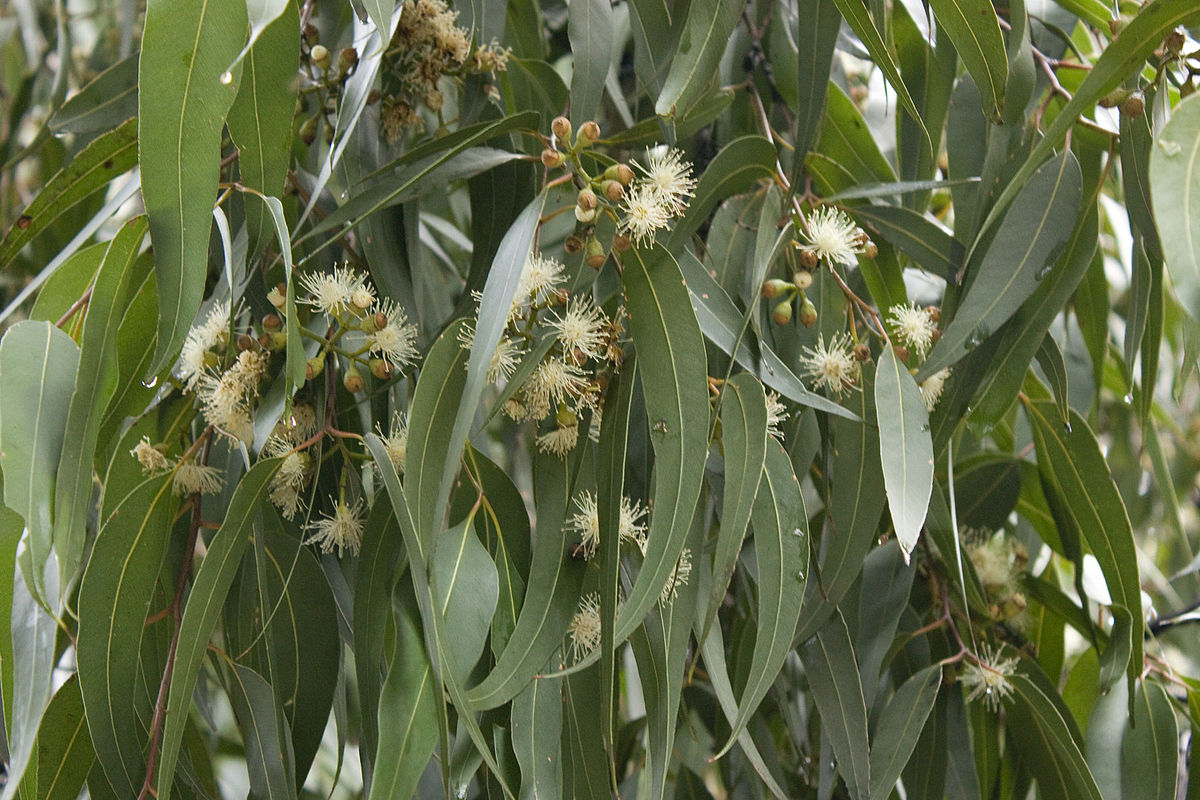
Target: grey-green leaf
(184, 93)
(973, 28)
(899, 727)
(1175, 191)
(705, 34)
(905, 448)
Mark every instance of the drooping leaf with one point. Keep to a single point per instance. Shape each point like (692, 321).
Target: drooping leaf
(705, 34)
(905, 448)
(38, 363)
(973, 28)
(64, 747)
(466, 588)
(105, 102)
(1175, 187)
(900, 726)
(1001, 280)
(1150, 748)
(837, 692)
(264, 733)
(590, 30)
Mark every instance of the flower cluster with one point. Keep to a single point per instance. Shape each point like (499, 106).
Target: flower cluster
(660, 195)
(998, 561)
(427, 44)
(566, 381)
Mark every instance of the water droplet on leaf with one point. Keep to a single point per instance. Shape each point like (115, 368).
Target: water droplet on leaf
(226, 77)
(1066, 427)
(150, 384)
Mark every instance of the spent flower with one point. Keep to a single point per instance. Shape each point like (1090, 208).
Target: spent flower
(584, 629)
(932, 388)
(341, 531)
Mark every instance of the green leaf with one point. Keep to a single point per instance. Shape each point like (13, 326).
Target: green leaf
(264, 735)
(380, 12)
(1050, 359)
(859, 18)
(1150, 748)
(905, 448)
(744, 445)
(973, 28)
(105, 102)
(781, 554)
(666, 334)
(1041, 728)
(1121, 57)
(378, 568)
(37, 376)
(186, 47)
(856, 499)
(1073, 468)
(818, 23)
(590, 32)
(1021, 336)
(705, 34)
(64, 748)
(900, 726)
(465, 586)
(847, 154)
(925, 242)
(1175, 189)
(537, 737)
(734, 169)
(1001, 280)
(95, 384)
(102, 160)
(114, 601)
(211, 586)
(408, 716)
(837, 691)
(260, 119)
(722, 324)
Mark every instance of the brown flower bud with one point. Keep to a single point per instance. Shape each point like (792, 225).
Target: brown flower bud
(347, 60)
(595, 254)
(871, 250)
(380, 320)
(311, 34)
(621, 243)
(308, 131)
(586, 200)
(934, 312)
(573, 244)
(272, 322)
(624, 174)
(589, 132)
(802, 278)
(1134, 105)
(862, 352)
(352, 381)
(613, 190)
(774, 287)
(808, 258)
(314, 366)
(381, 369)
(561, 128)
(551, 158)
(782, 313)
(901, 351)
(808, 313)
(373, 97)
(265, 341)
(244, 342)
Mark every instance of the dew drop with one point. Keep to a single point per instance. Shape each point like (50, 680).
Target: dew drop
(1066, 427)
(976, 338)
(797, 532)
(799, 576)
(988, 690)
(292, 421)
(1044, 271)
(1129, 399)
(226, 77)
(150, 384)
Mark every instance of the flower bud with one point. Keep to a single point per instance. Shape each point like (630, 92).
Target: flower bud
(782, 313)
(1114, 98)
(347, 61)
(871, 249)
(802, 278)
(379, 320)
(808, 313)
(244, 342)
(1134, 105)
(561, 128)
(585, 215)
(373, 97)
(311, 34)
(551, 158)
(621, 243)
(901, 352)
(588, 132)
(613, 190)
(272, 322)
(381, 369)
(352, 381)
(586, 200)
(278, 296)
(595, 254)
(862, 352)
(314, 366)
(934, 312)
(308, 131)
(573, 244)
(774, 287)
(565, 417)
(278, 341)
(320, 56)
(265, 341)
(808, 258)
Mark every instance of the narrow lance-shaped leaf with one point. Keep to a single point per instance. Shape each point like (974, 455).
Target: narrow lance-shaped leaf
(905, 448)
(1175, 190)
(837, 691)
(781, 553)
(973, 28)
(1003, 278)
(209, 590)
(705, 35)
(184, 92)
(537, 737)
(590, 30)
(900, 726)
(96, 382)
(117, 588)
(37, 375)
(102, 160)
(1150, 748)
(65, 751)
(104, 103)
